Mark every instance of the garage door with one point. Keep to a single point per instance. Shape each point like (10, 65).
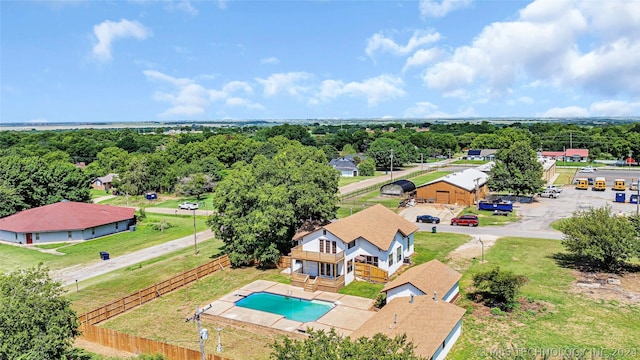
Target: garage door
(442, 197)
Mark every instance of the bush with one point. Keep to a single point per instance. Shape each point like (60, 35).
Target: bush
(499, 288)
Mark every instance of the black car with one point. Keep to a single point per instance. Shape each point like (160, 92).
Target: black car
(428, 219)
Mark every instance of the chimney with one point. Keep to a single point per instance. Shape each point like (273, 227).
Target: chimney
(435, 296)
(411, 299)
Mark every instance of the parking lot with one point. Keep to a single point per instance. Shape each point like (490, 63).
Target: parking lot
(537, 216)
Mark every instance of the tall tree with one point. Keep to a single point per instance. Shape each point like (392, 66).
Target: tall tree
(382, 149)
(261, 204)
(36, 320)
(517, 170)
(601, 237)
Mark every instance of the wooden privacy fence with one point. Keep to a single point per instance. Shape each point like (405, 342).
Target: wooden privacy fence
(143, 296)
(138, 345)
(371, 273)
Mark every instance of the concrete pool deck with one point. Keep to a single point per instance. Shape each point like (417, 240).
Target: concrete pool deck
(349, 313)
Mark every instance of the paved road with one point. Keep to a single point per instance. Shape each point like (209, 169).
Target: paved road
(69, 275)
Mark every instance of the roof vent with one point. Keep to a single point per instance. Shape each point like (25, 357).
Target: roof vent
(435, 296)
(411, 301)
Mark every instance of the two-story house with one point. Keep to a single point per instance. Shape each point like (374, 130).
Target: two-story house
(374, 240)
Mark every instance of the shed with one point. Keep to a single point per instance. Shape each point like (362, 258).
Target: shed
(398, 188)
(457, 188)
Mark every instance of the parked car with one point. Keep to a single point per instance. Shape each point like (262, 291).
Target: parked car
(500, 212)
(428, 219)
(553, 188)
(187, 206)
(549, 194)
(588, 169)
(468, 220)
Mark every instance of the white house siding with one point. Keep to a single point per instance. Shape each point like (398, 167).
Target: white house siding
(451, 293)
(451, 339)
(405, 290)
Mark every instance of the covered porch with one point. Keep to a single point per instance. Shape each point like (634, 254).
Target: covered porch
(316, 270)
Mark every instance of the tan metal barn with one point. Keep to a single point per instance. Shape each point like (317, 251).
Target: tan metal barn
(457, 188)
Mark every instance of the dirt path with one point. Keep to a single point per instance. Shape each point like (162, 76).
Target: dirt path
(461, 258)
(69, 275)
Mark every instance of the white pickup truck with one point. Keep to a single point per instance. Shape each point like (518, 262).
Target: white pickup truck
(549, 194)
(188, 206)
(553, 188)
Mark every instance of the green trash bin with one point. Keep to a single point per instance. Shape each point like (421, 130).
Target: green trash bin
(433, 230)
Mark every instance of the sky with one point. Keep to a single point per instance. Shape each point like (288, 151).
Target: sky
(115, 61)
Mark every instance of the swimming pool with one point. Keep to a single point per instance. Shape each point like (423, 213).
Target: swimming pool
(292, 308)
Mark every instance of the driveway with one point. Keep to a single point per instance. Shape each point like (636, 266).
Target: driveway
(75, 273)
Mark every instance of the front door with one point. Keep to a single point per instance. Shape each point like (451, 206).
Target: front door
(29, 239)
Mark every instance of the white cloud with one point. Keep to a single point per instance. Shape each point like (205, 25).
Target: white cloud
(222, 4)
(422, 57)
(186, 6)
(376, 90)
(569, 111)
(380, 43)
(108, 31)
(293, 83)
(615, 108)
(270, 60)
(435, 8)
(544, 47)
(187, 98)
(427, 109)
(245, 103)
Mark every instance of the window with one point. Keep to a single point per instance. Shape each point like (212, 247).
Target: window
(116, 226)
(93, 231)
(390, 259)
(69, 235)
(321, 245)
(351, 244)
(349, 266)
(399, 256)
(37, 236)
(16, 236)
(327, 246)
(324, 232)
(333, 247)
(372, 260)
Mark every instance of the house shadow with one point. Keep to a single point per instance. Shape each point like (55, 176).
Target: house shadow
(584, 264)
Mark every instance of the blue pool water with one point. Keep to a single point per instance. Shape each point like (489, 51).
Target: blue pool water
(292, 308)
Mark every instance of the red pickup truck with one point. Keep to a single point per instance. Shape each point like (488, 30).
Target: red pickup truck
(468, 220)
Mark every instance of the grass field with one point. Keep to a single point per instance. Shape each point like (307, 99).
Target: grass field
(95, 193)
(14, 257)
(470, 162)
(343, 180)
(565, 176)
(565, 319)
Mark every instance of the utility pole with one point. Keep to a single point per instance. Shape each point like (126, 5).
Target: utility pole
(571, 140)
(421, 161)
(482, 244)
(477, 189)
(203, 334)
(195, 242)
(638, 200)
(391, 164)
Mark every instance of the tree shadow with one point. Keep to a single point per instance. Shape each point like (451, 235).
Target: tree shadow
(585, 264)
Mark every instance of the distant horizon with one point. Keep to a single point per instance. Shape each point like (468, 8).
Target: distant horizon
(166, 61)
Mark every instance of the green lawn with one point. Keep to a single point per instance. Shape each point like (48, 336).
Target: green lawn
(163, 201)
(13, 257)
(95, 193)
(564, 319)
(565, 176)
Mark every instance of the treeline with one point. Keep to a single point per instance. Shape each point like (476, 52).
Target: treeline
(36, 167)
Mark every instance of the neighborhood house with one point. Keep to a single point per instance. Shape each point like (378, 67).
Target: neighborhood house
(373, 243)
(347, 166)
(65, 221)
(462, 188)
(104, 182)
(432, 278)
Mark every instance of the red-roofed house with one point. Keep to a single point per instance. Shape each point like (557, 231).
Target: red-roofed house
(554, 155)
(65, 221)
(576, 155)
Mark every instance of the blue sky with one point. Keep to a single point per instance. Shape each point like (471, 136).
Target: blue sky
(80, 61)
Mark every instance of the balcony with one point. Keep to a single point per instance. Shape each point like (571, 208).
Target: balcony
(317, 283)
(299, 254)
